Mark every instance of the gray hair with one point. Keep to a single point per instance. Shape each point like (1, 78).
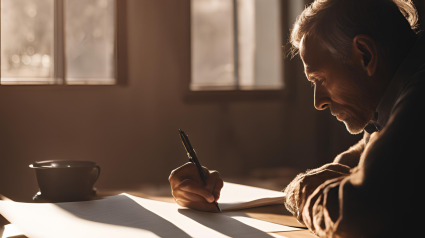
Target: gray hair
(335, 23)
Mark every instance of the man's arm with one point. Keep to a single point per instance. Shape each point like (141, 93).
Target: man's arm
(305, 183)
(351, 157)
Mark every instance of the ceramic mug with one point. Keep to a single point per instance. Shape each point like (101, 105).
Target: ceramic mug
(66, 180)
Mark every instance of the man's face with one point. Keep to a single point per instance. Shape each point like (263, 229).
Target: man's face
(343, 87)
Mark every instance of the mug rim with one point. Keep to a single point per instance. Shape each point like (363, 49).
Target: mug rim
(77, 164)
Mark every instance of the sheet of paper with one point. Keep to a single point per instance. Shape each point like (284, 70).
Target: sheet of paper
(9, 231)
(128, 216)
(236, 196)
(49, 220)
(219, 221)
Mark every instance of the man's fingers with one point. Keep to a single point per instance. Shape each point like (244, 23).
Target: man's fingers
(201, 206)
(217, 189)
(190, 197)
(206, 171)
(190, 186)
(213, 178)
(189, 191)
(178, 174)
(214, 184)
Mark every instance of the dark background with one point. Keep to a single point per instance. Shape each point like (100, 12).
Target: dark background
(131, 129)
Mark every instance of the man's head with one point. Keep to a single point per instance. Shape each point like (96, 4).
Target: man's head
(351, 49)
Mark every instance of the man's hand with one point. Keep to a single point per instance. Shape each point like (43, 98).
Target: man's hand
(189, 191)
(304, 185)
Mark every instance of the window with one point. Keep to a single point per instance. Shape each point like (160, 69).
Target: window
(236, 44)
(58, 42)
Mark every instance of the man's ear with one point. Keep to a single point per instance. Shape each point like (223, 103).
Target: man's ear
(365, 53)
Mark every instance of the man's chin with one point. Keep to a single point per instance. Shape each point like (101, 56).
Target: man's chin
(354, 128)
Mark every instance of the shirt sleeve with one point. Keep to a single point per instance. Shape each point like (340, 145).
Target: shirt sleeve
(381, 197)
(351, 157)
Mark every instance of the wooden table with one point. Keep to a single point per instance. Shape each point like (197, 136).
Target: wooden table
(275, 213)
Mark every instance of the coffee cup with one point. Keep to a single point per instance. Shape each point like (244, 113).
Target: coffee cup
(66, 180)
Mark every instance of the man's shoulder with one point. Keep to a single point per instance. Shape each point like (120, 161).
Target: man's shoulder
(407, 110)
(418, 78)
(414, 93)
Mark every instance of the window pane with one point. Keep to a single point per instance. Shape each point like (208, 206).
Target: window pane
(90, 41)
(212, 44)
(246, 40)
(268, 45)
(27, 41)
(260, 44)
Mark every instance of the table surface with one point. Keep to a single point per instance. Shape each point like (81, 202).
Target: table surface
(274, 213)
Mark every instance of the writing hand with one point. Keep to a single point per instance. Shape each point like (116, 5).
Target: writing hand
(189, 191)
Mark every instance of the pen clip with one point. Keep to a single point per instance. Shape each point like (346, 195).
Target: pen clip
(187, 152)
(191, 153)
(186, 145)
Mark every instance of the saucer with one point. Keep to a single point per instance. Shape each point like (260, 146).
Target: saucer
(38, 197)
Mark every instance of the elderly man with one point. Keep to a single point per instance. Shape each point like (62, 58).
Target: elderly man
(367, 65)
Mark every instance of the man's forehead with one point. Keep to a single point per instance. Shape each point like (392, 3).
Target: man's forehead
(312, 53)
(302, 47)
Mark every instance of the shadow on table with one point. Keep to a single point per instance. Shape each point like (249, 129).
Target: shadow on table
(124, 211)
(224, 224)
(111, 211)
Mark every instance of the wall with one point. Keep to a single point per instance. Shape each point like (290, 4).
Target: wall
(130, 130)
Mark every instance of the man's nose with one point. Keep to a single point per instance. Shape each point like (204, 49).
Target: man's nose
(321, 99)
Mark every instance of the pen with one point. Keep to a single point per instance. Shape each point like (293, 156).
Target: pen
(194, 159)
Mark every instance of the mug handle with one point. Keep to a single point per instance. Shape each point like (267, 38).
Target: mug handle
(98, 173)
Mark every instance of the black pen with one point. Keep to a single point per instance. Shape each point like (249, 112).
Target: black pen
(194, 159)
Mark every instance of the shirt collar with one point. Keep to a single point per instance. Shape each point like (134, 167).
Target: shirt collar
(414, 60)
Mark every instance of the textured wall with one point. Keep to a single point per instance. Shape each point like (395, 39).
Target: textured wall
(130, 130)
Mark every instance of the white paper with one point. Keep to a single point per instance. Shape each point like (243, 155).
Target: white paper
(236, 196)
(10, 230)
(264, 225)
(49, 220)
(128, 216)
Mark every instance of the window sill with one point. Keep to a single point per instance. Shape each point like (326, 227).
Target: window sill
(57, 82)
(221, 95)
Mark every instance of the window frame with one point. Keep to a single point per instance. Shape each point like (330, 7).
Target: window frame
(236, 93)
(59, 78)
